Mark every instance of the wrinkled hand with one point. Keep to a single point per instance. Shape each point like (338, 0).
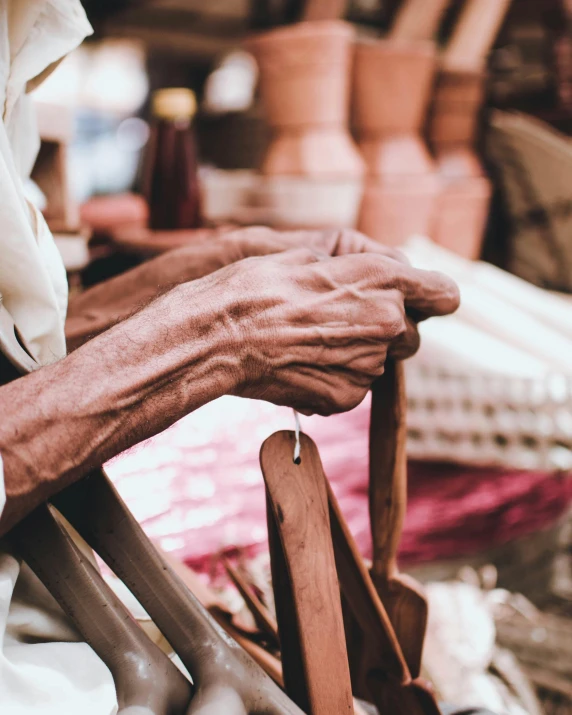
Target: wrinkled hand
(260, 241)
(315, 331)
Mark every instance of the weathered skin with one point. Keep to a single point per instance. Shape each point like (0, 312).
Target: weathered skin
(249, 314)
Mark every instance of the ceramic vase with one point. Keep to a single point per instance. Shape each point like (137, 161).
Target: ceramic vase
(465, 195)
(304, 85)
(391, 92)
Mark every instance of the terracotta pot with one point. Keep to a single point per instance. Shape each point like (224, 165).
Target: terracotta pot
(304, 84)
(464, 202)
(398, 155)
(392, 86)
(393, 210)
(320, 152)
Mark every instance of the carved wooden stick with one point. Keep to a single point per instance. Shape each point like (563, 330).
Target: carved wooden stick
(306, 589)
(381, 665)
(402, 597)
(262, 617)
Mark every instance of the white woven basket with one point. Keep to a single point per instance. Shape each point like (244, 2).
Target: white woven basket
(493, 383)
(488, 419)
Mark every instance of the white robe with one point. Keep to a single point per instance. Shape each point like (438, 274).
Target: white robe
(45, 669)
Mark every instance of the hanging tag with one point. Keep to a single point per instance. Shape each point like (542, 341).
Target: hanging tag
(297, 458)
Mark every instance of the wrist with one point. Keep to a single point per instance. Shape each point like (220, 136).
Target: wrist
(213, 332)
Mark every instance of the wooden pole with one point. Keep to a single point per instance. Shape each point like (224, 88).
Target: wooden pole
(418, 19)
(474, 34)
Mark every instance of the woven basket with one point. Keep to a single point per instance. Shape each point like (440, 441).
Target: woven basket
(492, 384)
(488, 419)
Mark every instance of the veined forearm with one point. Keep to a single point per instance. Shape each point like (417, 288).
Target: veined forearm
(122, 387)
(104, 305)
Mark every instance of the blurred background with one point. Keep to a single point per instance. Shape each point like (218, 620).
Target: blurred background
(439, 126)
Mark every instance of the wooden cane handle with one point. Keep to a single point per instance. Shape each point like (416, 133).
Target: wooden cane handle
(388, 467)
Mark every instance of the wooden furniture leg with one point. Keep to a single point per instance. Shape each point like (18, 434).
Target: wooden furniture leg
(402, 597)
(314, 658)
(227, 679)
(146, 681)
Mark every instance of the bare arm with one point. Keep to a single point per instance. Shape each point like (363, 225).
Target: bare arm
(294, 329)
(127, 384)
(104, 305)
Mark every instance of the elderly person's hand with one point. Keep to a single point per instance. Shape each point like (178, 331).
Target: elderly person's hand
(100, 307)
(314, 332)
(260, 241)
(300, 328)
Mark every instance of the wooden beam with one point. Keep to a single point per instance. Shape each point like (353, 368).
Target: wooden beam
(475, 34)
(418, 19)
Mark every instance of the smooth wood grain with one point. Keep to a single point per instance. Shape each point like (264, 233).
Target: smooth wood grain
(418, 19)
(362, 598)
(324, 10)
(260, 613)
(402, 597)
(474, 34)
(387, 468)
(294, 670)
(381, 670)
(299, 518)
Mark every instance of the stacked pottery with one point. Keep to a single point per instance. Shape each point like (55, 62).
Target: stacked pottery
(465, 190)
(305, 73)
(392, 85)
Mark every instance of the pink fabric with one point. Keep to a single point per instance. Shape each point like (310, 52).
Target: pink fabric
(198, 490)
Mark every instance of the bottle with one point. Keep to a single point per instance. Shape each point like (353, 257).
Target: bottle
(171, 183)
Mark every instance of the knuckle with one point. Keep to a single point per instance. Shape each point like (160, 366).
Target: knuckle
(393, 324)
(349, 399)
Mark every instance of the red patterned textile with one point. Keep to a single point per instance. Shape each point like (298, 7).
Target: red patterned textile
(198, 490)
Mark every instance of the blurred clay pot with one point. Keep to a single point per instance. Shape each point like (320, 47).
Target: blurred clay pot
(320, 152)
(394, 209)
(464, 202)
(396, 155)
(454, 113)
(392, 83)
(391, 92)
(293, 202)
(304, 84)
